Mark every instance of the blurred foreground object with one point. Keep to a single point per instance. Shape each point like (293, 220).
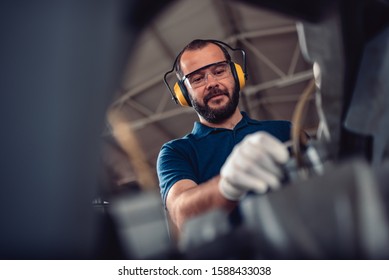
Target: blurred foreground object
(60, 63)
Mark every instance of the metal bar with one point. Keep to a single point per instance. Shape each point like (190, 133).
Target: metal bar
(263, 58)
(140, 108)
(295, 57)
(162, 105)
(282, 82)
(277, 99)
(263, 33)
(137, 124)
(137, 89)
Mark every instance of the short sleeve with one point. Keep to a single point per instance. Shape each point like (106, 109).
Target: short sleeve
(173, 164)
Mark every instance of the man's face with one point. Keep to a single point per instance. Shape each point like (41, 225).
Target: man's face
(211, 90)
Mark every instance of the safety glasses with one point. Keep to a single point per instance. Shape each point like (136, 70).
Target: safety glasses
(199, 77)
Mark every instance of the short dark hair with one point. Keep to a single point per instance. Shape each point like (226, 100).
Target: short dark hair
(198, 44)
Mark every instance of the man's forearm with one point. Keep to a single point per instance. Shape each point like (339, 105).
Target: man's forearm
(196, 200)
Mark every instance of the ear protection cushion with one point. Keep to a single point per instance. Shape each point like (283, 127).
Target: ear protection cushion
(181, 94)
(238, 75)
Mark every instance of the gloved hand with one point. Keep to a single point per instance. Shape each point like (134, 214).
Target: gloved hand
(254, 164)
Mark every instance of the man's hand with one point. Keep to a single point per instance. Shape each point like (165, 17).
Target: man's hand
(253, 165)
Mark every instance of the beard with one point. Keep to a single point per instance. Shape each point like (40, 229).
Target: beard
(220, 114)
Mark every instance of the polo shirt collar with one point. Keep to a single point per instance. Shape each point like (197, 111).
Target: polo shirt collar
(200, 130)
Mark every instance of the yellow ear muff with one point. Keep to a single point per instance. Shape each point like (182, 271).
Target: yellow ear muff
(240, 75)
(180, 95)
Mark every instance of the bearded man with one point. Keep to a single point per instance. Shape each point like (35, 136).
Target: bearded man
(227, 154)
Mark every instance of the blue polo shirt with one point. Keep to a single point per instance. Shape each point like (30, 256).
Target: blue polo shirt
(199, 155)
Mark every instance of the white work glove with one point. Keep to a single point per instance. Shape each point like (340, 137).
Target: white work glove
(253, 165)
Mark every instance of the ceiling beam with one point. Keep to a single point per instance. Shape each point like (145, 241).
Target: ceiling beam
(137, 124)
(263, 32)
(281, 82)
(263, 58)
(295, 57)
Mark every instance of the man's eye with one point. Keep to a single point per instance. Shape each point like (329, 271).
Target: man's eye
(220, 71)
(196, 79)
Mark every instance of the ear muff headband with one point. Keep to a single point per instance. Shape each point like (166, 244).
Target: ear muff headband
(180, 93)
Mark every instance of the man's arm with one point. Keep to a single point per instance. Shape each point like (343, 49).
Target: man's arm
(253, 165)
(186, 199)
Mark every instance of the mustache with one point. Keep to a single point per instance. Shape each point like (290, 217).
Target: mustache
(213, 93)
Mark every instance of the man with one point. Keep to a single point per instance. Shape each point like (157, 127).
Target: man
(203, 170)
